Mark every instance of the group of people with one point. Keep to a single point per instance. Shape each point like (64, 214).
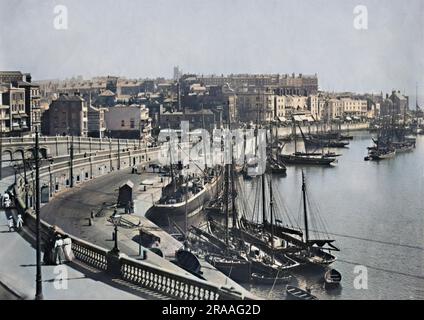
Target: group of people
(57, 248)
(15, 225)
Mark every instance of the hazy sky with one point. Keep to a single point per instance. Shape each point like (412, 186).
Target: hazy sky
(146, 38)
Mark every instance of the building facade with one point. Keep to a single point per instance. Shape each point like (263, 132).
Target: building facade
(127, 121)
(68, 115)
(96, 122)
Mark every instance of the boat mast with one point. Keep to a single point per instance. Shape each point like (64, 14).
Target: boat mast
(263, 200)
(416, 107)
(271, 211)
(186, 207)
(174, 184)
(295, 142)
(305, 211)
(233, 188)
(226, 178)
(203, 140)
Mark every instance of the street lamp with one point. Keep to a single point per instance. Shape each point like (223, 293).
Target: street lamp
(39, 286)
(116, 219)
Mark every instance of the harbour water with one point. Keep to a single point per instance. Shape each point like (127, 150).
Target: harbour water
(375, 211)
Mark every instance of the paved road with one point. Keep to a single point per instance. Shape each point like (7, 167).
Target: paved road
(71, 210)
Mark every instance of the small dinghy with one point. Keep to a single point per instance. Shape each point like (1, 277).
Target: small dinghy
(332, 278)
(257, 278)
(295, 293)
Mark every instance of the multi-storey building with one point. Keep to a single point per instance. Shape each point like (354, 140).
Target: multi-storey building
(68, 115)
(354, 107)
(255, 106)
(21, 120)
(282, 84)
(4, 113)
(127, 121)
(18, 121)
(333, 109)
(96, 122)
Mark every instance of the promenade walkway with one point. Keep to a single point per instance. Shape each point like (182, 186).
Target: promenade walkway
(70, 281)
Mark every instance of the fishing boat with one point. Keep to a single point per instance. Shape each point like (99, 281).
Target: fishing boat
(295, 243)
(236, 268)
(382, 153)
(393, 137)
(262, 279)
(306, 158)
(274, 165)
(403, 146)
(332, 278)
(295, 293)
(317, 142)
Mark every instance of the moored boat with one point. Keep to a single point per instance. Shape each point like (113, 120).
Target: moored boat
(185, 202)
(236, 268)
(295, 293)
(297, 158)
(262, 279)
(332, 278)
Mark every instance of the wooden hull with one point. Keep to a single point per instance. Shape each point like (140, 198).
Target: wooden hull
(268, 280)
(306, 160)
(332, 279)
(295, 293)
(236, 269)
(382, 156)
(164, 214)
(326, 144)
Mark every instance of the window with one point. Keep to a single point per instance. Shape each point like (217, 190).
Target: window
(122, 123)
(132, 125)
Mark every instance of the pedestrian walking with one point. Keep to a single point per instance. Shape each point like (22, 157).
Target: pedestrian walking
(11, 223)
(19, 222)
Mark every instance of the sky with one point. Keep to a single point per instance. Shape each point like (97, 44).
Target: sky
(147, 38)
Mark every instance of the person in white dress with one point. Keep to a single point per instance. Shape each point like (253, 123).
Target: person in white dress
(19, 222)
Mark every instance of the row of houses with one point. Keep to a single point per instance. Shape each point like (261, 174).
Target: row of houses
(20, 111)
(267, 106)
(74, 116)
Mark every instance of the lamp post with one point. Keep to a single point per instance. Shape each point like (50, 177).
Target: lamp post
(1, 146)
(39, 287)
(71, 162)
(116, 219)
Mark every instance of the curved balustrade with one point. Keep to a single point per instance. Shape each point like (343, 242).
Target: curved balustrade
(89, 253)
(173, 285)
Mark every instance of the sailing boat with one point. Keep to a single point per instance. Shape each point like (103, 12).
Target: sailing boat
(296, 244)
(305, 158)
(312, 251)
(185, 196)
(274, 164)
(392, 139)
